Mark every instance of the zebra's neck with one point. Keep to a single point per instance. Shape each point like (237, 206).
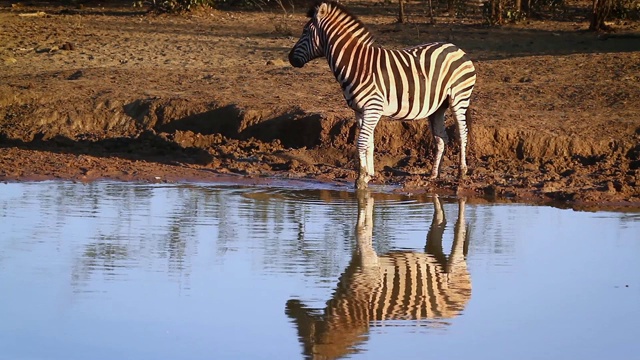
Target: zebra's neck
(348, 47)
(344, 53)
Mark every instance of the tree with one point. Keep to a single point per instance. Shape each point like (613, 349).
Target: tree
(600, 11)
(495, 12)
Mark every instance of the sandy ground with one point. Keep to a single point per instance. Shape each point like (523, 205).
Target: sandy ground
(113, 93)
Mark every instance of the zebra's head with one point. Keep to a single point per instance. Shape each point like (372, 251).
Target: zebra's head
(329, 21)
(309, 46)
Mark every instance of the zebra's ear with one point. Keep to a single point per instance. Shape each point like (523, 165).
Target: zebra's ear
(322, 10)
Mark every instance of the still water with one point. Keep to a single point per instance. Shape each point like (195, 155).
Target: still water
(138, 271)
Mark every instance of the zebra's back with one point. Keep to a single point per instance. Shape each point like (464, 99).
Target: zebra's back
(416, 81)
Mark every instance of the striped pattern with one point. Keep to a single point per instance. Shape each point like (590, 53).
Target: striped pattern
(413, 83)
(373, 289)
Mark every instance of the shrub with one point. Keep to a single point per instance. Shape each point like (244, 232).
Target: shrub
(172, 6)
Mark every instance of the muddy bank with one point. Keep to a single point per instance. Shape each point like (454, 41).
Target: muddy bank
(179, 139)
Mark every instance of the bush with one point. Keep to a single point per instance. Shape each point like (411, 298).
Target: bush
(178, 6)
(626, 9)
(172, 6)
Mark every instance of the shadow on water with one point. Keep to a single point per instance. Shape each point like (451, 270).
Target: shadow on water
(429, 287)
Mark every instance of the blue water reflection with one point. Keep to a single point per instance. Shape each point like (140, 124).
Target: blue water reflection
(398, 288)
(118, 270)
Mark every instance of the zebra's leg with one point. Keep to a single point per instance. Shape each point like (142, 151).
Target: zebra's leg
(436, 121)
(364, 230)
(456, 257)
(436, 230)
(370, 169)
(369, 157)
(367, 122)
(460, 113)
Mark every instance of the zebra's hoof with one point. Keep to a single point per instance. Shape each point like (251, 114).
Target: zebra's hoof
(361, 185)
(362, 182)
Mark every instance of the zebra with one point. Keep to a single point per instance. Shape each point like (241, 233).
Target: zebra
(429, 287)
(412, 83)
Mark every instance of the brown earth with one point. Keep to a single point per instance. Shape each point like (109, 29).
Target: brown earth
(93, 93)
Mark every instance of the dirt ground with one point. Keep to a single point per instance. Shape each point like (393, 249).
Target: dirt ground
(99, 92)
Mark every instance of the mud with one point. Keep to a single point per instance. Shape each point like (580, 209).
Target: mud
(113, 93)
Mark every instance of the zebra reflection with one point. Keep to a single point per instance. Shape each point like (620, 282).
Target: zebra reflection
(428, 287)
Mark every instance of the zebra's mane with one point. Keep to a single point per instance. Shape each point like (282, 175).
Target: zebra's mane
(365, 35)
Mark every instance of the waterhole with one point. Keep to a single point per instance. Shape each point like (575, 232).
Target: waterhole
(110, 270)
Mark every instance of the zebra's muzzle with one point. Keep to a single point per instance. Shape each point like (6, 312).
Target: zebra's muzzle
(294, 61)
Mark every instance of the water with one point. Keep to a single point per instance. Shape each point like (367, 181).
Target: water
(138, 271)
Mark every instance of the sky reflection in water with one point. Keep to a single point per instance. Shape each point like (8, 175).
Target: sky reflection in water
(117, 270)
